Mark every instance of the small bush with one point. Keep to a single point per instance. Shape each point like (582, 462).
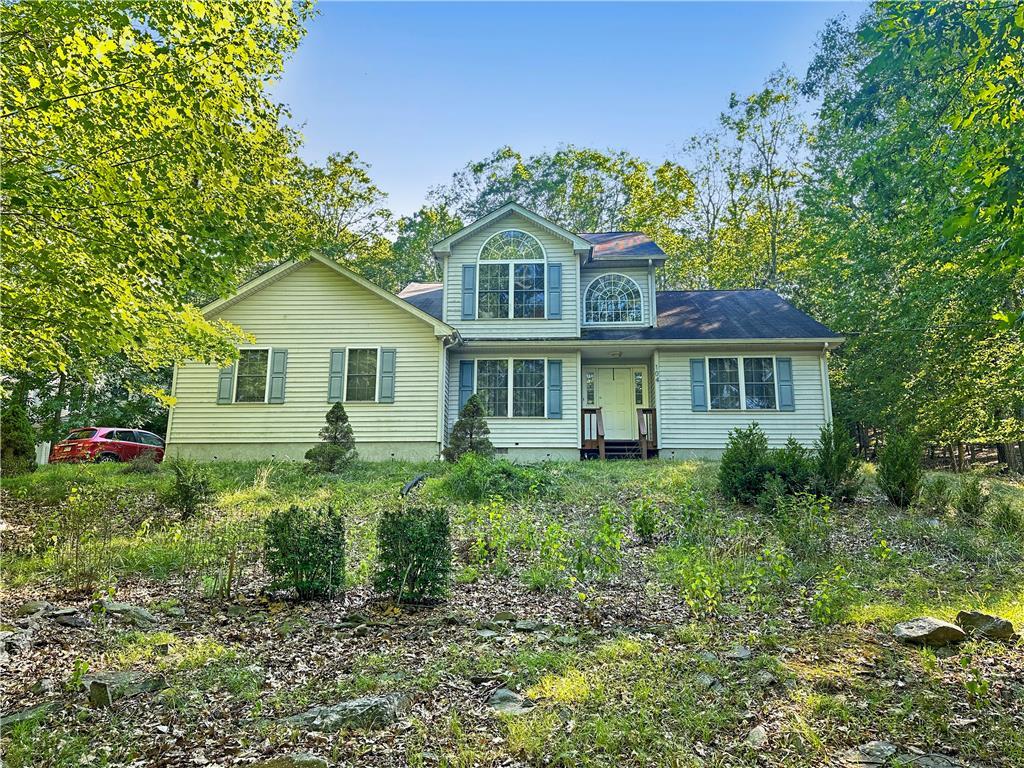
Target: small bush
(744, 466)
(646, 518)
(305, 550)
(774, 491)
(190, 489)
(143, 464)
(475, 478)
(17, 440)
(971, 500)
(1008, 518)
(492, 540)
(552, 568)
(338, 449)
(470, 433)
(793, 465)
(835, 463)
(899, 468)
(832, 596)
(935, 496)
(597, 555)
(414, 555)
(804, 524)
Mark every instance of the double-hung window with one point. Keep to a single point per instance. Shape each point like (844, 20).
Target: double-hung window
(361, 376)
(742, 383)
(512, 387)
(511, 277)
(252, 376)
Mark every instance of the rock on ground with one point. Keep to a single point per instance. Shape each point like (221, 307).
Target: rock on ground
(107, 687)
(26, 714)
(294, 760)
(928, 631)
(985, 625)
(364, 712)
(133, 614)
(757, 737)
(508, 702)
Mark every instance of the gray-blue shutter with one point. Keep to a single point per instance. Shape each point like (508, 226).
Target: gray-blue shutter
(698, 385)
(554, 389)
(555, 291)
(784, 370)
(278, 371)
(386, 385)
(336, 376)
(226, 384)
(468, 291)
(465, 382)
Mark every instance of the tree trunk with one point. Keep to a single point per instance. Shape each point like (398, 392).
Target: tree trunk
(960, 458)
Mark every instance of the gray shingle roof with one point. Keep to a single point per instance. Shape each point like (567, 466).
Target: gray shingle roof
(610, 246)
(687, 315)
(711, 315)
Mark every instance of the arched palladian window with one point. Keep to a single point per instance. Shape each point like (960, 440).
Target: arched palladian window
(511, 276)
(613, 299)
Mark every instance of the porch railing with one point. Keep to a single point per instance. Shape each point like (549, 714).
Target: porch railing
(647, 429)
(593, 430)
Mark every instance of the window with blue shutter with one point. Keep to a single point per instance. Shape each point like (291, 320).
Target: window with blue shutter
(698, 385)
(278, 371)
(468, 291)
(554, 389)
(336, 376)
(386, 387)
(554, 291)
(465, 382)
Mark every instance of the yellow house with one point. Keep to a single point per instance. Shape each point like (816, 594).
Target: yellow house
(563, 336)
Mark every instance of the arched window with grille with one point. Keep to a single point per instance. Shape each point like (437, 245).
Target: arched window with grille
(511, 281)
(613, 298)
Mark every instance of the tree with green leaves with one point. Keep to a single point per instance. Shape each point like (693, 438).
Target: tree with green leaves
(143, 165)
(338, 448)
(470, 433)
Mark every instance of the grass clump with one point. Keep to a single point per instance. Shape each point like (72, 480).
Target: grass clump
(190, 489)
(305, 551)
(971, 500)
(475, 478)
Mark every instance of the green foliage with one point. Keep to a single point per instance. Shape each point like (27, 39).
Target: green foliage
(971, 499)
(804, 523)
(793, 465)
(1008, 518)
(832, 595)
(470, 433)
(339, 447)
(414, 556)
(553, 567)
(899, 468)
(17, 439)
(492, 526)
(647, 518)
(475, 478)
(174, 175)
(190, 488)
(305, 550)
(143, 464)
(835, 463)
(936, 496)
(771, 496)
(744, 467)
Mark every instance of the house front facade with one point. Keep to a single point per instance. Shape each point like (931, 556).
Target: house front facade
(563, 335)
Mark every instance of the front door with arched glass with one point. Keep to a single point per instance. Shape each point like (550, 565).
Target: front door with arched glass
(618, 390)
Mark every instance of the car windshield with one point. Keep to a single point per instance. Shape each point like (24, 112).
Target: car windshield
(81, 434)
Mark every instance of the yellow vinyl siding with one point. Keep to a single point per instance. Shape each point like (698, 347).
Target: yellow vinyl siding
(511, 432)
(558, 251)
(309, 311)
(681, 427)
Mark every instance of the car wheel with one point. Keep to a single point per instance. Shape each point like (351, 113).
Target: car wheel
(107, 457)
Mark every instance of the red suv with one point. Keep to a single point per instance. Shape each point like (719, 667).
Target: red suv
(106, 444)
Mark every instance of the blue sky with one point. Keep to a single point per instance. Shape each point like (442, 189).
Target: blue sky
(420, 89)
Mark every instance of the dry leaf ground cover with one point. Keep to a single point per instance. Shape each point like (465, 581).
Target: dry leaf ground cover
(648, 621)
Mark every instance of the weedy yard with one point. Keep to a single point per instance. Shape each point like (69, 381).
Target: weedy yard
(607, 614)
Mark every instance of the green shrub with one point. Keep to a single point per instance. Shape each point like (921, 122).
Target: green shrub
(338, 449)
(414, 555)
(793, 465)
(17, 440)
(552, 567)
(971, 500)
(190, 487)
(143, 464)
(470, 433)
(899, 468)
(769, 499)
(804, 522)
(474, 478)
(492, 539)
(835, 463)
(597, 554)
(305, 550)
(744, 466)
(646, 518)
(935, 496)
(1008, 518)
(832, 596)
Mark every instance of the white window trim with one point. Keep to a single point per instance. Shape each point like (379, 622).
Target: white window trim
(509, 384)
(643, 304)
(376, 376)
(511, 278)
(743, 383)
(632, 372)
(266, 384)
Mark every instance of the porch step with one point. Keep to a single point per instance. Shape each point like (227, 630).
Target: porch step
(615, 450)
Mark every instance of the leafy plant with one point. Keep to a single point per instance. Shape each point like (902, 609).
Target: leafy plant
(835, 463)
(936, 496)
(971, 499)
(832, 596)
(804, 525)
(17, 439)
(771, 496)
(793, 465)
(305, 550)
(899, 468)
(470, 434)
(744, 465)
(552, 568)
(414, 556)
(338, 449)
(646, 518)
(474, 478)
(1008, 518)
(492, 538)
(190, 487)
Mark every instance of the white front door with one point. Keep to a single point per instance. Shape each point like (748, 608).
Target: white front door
(618, 391)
